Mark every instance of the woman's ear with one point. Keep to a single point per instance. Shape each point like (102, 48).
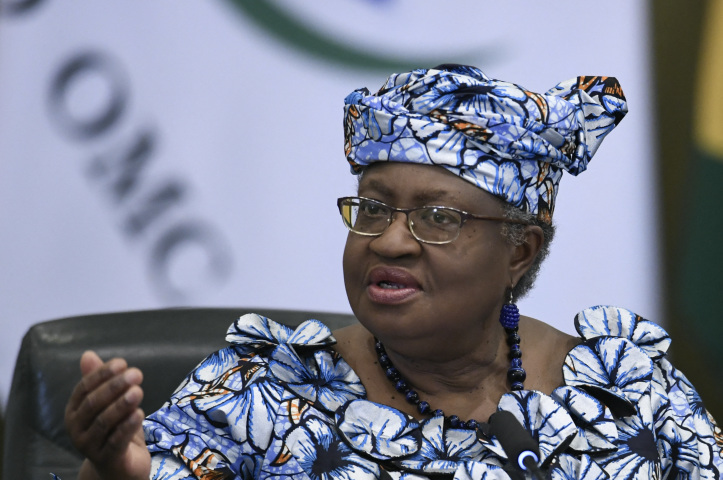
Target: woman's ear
(524, 254)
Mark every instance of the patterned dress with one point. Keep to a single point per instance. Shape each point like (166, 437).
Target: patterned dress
(280, 404)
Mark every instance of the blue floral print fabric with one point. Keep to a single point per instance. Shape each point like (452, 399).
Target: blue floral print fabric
(281, 404)
(500, 136)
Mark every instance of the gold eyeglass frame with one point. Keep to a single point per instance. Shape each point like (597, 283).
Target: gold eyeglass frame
(464, 216)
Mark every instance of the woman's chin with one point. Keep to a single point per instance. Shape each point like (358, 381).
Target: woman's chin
(391, 296)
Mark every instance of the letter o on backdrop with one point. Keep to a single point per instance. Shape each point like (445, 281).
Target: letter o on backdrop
(67, 82)
(20, 7)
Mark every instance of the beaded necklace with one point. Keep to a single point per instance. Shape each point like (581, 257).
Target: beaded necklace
(509, 318)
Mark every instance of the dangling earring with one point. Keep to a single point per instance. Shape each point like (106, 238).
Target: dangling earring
(510, 319)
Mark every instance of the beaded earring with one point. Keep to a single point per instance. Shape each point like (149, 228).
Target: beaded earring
(510, 319)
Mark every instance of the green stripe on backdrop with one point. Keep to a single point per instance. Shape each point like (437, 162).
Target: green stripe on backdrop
(295, 33)
(690, 180)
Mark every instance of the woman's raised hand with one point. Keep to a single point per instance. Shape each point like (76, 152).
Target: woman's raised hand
(105, 423)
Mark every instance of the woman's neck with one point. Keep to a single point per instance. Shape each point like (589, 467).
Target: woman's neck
(459, 377)
(465, 379)
(456, 371)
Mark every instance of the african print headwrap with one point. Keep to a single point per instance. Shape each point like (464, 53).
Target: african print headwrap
(503, 138)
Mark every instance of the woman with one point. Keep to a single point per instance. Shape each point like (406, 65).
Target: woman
(453, 215)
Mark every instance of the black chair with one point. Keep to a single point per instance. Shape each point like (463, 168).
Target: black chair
(164, 344)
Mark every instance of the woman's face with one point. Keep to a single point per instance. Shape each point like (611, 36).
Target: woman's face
(405, 291)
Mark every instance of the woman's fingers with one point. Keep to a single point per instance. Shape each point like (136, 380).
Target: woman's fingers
(102, 414)
(124, 454)
(94, 378)
(125, 431)
(104, 396)
(89, 361)
(113, 417)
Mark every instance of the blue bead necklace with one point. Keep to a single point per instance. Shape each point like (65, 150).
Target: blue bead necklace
(510, 319)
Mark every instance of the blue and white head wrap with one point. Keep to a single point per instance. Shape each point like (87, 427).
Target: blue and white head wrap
(503, 138)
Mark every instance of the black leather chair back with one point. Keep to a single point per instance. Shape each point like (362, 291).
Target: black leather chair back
(164, 344)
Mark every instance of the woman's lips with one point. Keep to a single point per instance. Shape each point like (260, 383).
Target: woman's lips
(391, 285)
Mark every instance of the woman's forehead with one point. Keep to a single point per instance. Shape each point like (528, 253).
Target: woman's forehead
(421, 185)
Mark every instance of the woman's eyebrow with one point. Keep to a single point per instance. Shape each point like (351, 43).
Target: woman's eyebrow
(379, 187)
(432, 196)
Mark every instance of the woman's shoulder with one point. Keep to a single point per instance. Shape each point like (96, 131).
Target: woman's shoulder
(264, 354)
(621, 360)
(613, 344)
(356, 344)
(555, 342)
(598, 322)
(610, 321)
(544, 349)
(234, 408)
(629, 402)
(256, 339)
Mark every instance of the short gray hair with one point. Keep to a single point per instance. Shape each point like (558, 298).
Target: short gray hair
(515, 235)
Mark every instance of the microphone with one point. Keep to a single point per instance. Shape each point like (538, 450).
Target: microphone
(518, 444)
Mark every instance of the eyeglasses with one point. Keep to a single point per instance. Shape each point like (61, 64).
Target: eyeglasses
(436, 225)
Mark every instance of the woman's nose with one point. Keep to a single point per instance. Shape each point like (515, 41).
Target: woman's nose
(397, 240)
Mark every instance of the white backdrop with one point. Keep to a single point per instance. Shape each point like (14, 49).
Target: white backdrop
(154, 153)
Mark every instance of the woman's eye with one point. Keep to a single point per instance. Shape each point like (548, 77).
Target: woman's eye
(441, 217)
(372, 209)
